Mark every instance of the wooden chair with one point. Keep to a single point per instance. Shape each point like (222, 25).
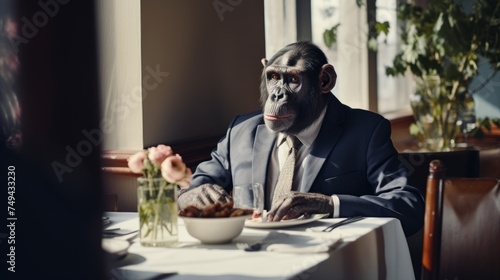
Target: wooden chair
(462, 227)
(463, 163)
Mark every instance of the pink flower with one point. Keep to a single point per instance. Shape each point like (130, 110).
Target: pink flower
(136, 161)
(158, 159)
(184, 184)
(174, 170)
(158, 154)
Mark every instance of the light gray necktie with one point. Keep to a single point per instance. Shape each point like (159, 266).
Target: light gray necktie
(285, 178)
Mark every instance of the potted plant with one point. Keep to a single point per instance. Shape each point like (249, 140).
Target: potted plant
(442, 43)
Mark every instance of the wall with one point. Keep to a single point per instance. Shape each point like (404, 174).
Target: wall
(206, 56)
(54, 181)
(174, 72)
(120, 73)
(487, 99)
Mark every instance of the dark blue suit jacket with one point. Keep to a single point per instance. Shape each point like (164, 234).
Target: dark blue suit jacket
(352, 157)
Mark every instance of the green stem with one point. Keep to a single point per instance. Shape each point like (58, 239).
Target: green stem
(451, 100)
(150, 185)
(157, 209)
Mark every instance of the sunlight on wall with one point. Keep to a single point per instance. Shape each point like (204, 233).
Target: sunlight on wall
(120, 66)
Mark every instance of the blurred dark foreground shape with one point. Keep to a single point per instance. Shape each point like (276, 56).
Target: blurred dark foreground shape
(57, 192)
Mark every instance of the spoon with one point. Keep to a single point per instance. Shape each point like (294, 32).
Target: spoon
(250, 247)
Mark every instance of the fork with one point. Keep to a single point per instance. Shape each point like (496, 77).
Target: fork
(341, 223)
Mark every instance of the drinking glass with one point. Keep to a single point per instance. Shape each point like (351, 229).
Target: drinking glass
(249, 196)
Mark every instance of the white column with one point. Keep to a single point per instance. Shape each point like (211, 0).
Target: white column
(352, 60)
(119, 28)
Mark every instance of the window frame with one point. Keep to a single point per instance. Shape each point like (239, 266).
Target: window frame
(370, 96)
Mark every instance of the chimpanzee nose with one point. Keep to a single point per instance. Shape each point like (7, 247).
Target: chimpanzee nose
(279, 94)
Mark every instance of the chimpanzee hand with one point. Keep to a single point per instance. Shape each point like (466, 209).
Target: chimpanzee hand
(203, 196)
(296, 204)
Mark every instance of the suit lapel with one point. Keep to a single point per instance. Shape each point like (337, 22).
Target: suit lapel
(263, 146)
(329, 134)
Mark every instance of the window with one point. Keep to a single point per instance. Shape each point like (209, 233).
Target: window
(349, 55)
(392, 92)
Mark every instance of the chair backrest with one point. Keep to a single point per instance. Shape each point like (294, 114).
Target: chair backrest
(462, 163)
(462, 227)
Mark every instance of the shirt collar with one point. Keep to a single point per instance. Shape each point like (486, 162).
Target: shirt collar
(308, 135)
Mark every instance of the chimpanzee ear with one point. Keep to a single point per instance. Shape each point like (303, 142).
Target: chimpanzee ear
(327, 78)
(264, 62)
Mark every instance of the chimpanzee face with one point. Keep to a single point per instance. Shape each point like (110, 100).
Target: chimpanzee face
(294, 87)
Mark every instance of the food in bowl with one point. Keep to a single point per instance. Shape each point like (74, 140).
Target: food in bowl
(216, 210)
(218, 223)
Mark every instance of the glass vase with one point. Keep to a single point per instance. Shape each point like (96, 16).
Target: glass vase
(466, 118)
(435, 114)
(157, 207)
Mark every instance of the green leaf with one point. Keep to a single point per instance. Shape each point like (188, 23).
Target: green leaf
(373, 44)
(399, 66)
(414, 129)
(330, 36)
(451, 20)
(421, 45)
(382, 27)
(439, 23)
(389, 71)
(359, 3)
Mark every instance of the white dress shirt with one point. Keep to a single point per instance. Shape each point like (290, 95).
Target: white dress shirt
(306, 137)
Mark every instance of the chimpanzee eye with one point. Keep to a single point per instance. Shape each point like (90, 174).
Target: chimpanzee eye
(294, 79)
(275, 76)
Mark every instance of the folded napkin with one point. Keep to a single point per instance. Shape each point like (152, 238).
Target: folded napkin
(302, 243)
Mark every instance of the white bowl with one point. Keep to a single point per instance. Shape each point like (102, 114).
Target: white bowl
(215, 230)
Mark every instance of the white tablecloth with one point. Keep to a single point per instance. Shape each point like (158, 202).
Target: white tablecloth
(373, 248)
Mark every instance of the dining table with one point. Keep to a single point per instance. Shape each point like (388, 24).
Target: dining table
(371, 248)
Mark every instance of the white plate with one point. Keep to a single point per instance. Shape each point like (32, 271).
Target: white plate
(106, 221)
(115, 247)
(286, 223)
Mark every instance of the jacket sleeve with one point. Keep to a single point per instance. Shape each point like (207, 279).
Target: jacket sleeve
(391, 197)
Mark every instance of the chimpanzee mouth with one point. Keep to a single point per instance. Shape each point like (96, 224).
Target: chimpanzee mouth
(277, 117)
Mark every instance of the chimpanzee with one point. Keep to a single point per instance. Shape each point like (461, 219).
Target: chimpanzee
(346, 164)
(291, 95)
